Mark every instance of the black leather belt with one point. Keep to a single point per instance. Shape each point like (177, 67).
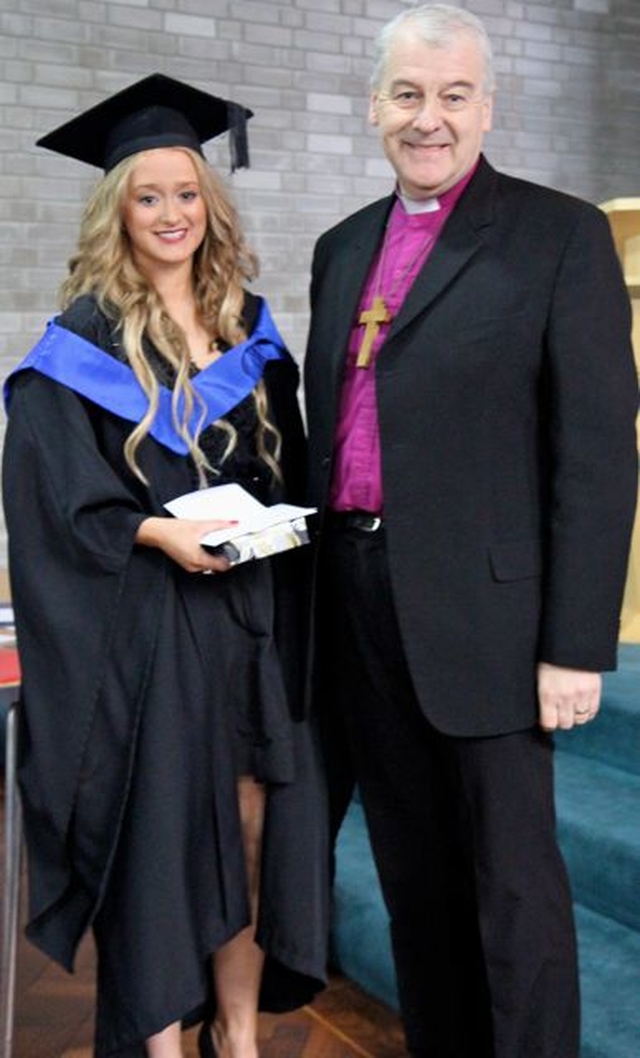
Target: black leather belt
(363, 521)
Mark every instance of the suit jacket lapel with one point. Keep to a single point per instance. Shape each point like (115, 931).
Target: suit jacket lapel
(358, 254)
(458, 243)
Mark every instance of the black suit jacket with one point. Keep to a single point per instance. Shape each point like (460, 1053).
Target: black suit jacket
(507, 397)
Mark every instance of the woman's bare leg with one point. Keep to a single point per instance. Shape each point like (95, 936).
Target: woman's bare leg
(166, 1044)
(237, 966)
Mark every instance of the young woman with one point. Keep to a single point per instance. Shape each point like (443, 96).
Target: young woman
(172, 798)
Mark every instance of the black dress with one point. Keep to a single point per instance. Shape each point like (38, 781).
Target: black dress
(146, 691)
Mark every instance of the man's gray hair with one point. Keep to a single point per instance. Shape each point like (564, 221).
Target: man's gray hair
(438, 25)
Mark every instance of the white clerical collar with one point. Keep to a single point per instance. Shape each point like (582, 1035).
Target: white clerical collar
(418, 205)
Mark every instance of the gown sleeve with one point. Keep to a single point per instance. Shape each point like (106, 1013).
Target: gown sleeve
(78, 580)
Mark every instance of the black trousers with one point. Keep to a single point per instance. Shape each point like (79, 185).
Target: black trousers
(462, 832)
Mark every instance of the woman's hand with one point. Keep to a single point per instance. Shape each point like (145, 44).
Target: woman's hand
(180, 539)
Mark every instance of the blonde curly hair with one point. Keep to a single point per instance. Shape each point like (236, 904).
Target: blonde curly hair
(103, 266)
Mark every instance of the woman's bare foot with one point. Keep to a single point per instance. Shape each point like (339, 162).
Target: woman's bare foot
(231, 1043)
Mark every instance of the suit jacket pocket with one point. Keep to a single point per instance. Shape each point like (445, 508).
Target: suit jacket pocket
(516, 560)
(505, 327)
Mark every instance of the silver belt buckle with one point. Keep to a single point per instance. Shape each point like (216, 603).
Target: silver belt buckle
(368, 523)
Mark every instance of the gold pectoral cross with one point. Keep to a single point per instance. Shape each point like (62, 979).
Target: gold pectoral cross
(373, 317)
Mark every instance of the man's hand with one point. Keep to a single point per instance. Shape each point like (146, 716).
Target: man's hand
(567, 696)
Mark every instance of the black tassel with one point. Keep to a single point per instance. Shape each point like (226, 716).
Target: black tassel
(238, 140)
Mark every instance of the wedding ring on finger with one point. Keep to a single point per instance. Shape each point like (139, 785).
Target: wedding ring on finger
(207, 572)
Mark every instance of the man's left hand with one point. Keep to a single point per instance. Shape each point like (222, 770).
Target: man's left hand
(567, 696)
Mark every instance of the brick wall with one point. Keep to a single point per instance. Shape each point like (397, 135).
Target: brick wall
(567, 114)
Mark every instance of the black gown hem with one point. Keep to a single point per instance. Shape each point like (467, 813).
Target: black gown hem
(302, 990)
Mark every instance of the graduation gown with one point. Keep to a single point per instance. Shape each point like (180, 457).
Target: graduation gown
(131, 671)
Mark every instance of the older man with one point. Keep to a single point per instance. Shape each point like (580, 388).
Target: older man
(471, 400)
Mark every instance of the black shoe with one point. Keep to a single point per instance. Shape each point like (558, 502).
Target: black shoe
(206, 1048)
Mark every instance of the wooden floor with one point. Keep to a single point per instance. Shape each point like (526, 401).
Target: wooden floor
(54, 1017)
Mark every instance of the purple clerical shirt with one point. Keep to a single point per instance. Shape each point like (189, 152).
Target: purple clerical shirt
(356, 482)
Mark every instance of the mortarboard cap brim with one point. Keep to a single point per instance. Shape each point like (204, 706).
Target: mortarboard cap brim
(157, 111)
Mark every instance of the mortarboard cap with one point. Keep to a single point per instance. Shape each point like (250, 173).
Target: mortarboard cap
(157, 111)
